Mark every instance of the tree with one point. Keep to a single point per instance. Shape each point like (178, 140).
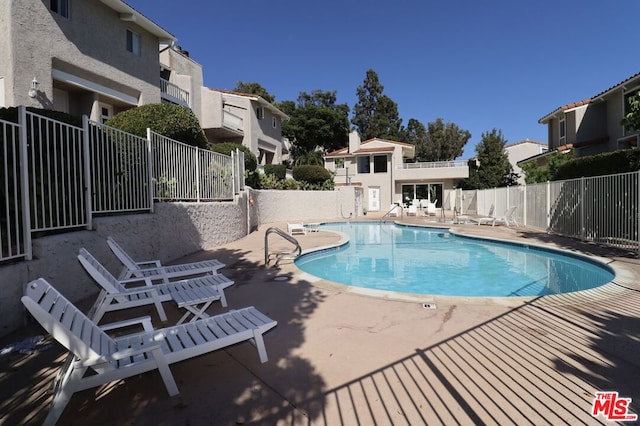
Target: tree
(442, 142)
(493, 169)
(375, 114)
(533, 173)
(631, 120)
(317, 123)
(254, 89)
(415, 133)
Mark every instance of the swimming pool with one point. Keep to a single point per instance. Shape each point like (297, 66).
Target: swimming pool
(409, 259)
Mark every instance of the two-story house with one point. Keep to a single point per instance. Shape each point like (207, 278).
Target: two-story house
(94, 57)
(246, 119)
(379, 167)
(522, 150)
(593, 125)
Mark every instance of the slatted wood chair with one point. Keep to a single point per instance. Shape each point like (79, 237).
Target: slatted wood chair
(154, 268)
(116, 358)
(133, 292)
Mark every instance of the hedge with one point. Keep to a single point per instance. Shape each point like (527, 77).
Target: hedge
(277, 170)
(173, 121)
(609, 163)
(311, 174)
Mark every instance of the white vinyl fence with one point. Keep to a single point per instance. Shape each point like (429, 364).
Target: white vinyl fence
(56, 176)
(600, 209)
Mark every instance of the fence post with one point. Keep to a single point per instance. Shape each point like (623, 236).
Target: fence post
(24, 182)
(548, 209)
(524, 206)
(581, 201)
(88, 183)
(150, 168)
(197, 161)
(234, 171)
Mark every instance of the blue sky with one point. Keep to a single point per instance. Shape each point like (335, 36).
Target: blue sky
(480, 64)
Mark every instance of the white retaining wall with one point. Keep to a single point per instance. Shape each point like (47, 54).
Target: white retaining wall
(174, 230)
(283, 206)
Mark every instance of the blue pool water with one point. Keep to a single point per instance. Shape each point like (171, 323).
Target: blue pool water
(407, 259)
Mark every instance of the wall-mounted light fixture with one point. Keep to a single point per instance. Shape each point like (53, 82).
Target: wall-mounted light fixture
(33, 91)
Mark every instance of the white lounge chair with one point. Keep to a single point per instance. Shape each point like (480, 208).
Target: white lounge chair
(115, 295)
(507, 219)
(296, 228)
(412, 210)
(112, 359)
(486, 219)
(155, 269)
(431, 209)
(394, 210)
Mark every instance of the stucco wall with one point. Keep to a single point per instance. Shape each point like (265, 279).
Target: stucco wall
(283, 206)
(43, 37)
(174, 230)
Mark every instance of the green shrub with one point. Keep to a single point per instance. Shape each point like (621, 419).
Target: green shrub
(250, 160)
(621, 161)
(311, 174)
(277, 170)
(173, 121)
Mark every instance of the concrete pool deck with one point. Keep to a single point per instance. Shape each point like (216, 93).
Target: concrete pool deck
(341, 357)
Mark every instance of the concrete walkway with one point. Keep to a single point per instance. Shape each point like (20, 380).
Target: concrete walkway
(341, 357)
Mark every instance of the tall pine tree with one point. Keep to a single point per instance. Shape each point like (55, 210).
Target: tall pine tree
(375, 114)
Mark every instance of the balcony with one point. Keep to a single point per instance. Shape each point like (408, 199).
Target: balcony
(432, 170)
(174, 94)
(232, 122)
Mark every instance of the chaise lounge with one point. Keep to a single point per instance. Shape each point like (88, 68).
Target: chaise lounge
(116, 358)
(189, 294)
(155, 269)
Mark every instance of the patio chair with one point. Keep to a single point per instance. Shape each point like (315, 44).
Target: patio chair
(486, 219)
(112, 359)
(431, 208)
(507, 219)
(296, 228)
(115, 295)
(412, 210)
(394, 209)
(155, 269)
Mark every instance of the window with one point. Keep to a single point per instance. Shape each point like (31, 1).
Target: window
(61, 7)
(339, 163)
(563, 131)
(260, 113)
(379, 164)
(274, 122)
(133, 42)
(363, 165)
(106, 111)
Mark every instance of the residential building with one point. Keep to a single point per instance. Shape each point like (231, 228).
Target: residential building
(181, 78)
(593, 125)
(93, 57)
(246, 119)
(519, 151)
(379, 167)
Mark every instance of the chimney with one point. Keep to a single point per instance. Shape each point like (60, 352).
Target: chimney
(354, 141)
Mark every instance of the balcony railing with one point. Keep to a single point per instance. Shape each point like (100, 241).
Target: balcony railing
(432, 165)
(174, 93)
(232, 121)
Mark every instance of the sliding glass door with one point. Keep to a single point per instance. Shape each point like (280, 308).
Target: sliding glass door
(422, 191)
